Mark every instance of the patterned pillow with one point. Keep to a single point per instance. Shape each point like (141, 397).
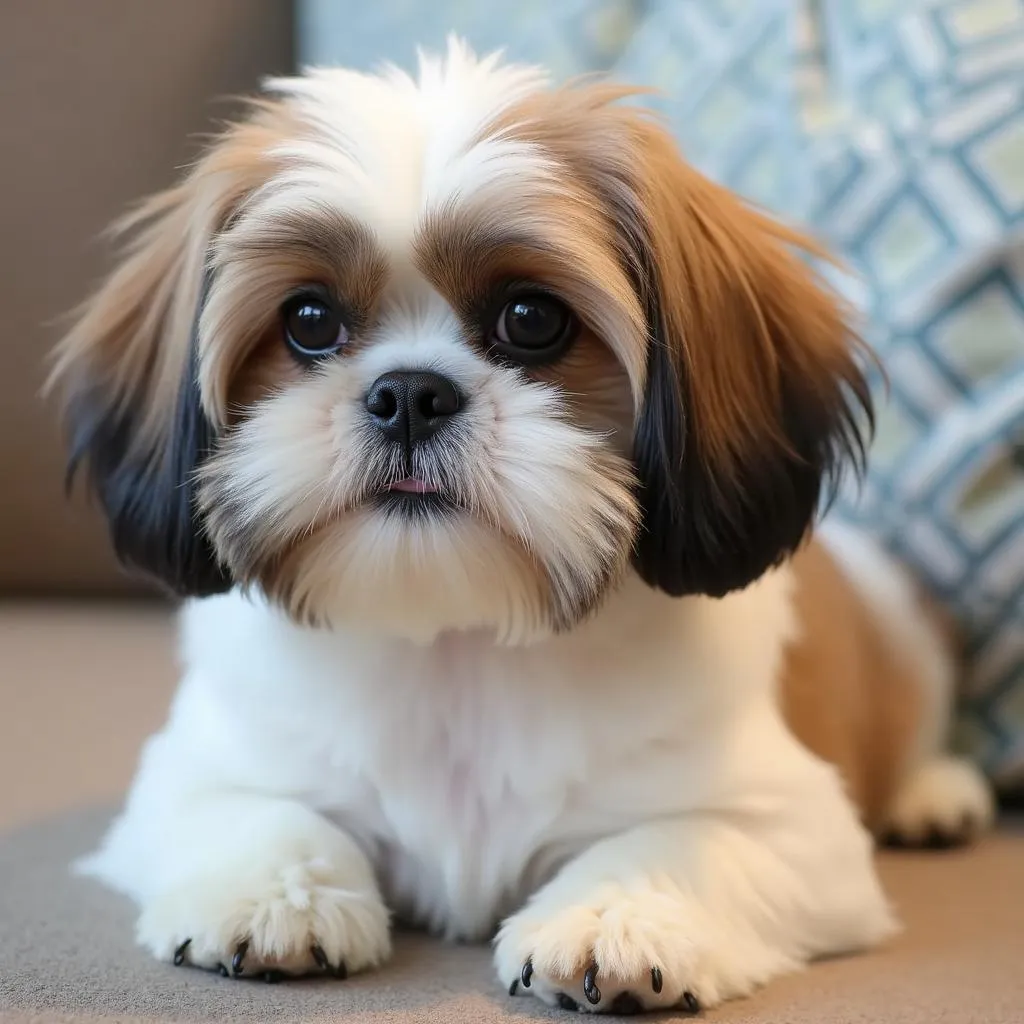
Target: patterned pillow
(921, 189)
(724, 71)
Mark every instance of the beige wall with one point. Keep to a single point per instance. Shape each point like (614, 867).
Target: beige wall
(100, 101)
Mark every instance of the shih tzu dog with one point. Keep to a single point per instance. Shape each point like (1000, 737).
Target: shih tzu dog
(483, 437)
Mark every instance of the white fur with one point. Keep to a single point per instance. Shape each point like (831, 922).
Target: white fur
(389, 148)
(944, 797)
(634, 775)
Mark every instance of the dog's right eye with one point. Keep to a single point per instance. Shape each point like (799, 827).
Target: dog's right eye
(313, 325)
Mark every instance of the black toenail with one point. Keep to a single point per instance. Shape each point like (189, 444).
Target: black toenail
(656, 980)
(940, 839)
(894, 840)
(527, 972)
(320, 957)
(341, 971)
(179, 953)
(590, 989)
(626, 1004)
(236, 961)
(223, 971)
(514, 987)
(273, 977)
(567, 1002)
(689, 1003)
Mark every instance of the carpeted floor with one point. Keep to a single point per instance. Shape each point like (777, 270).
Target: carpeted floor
(79, 689)
(66, 954)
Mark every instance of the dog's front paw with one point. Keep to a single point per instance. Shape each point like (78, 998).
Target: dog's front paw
(620, 950)
(268, 923)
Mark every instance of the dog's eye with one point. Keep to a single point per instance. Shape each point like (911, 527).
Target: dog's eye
(534, 329)
(313, 325)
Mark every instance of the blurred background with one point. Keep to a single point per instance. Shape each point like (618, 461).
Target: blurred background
(893, 128)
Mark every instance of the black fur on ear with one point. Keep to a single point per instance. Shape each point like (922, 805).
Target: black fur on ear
(712, 526)
(149, 497)
(707, 534)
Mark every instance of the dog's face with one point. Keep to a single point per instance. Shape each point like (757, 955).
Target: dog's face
(456, 353)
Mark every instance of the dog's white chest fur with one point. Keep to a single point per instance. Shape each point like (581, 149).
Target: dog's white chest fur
(309, 782)
(444, 799)
(469, 772)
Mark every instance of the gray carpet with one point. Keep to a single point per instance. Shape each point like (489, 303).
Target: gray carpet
(66, 954)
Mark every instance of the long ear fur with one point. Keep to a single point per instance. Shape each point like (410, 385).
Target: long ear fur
(126, 369)
(149, 497)
(754, 400)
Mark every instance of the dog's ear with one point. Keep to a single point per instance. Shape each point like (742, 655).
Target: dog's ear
(133, 414)
(126, 371)
(754, 400)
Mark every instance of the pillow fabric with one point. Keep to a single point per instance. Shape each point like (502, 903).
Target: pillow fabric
(920, 187)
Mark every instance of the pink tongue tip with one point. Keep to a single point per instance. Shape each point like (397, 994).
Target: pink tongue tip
(410, 485)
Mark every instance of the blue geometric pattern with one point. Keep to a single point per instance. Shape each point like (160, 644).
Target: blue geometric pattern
(922, 192)
(896, 129)
(722, 72)
(566, 36)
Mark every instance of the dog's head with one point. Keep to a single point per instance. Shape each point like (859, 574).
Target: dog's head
(456, 352)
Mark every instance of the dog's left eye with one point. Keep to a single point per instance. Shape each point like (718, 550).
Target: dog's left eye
(534, 329)
(313, 325)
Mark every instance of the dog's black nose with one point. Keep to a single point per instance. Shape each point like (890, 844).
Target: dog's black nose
(411, 405)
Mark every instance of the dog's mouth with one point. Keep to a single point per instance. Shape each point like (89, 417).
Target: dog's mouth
(414, 496)
(412, 485)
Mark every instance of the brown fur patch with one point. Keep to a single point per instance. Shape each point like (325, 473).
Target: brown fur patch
(742, 310)
(262, 259)
(846, 693)
(596, 388)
